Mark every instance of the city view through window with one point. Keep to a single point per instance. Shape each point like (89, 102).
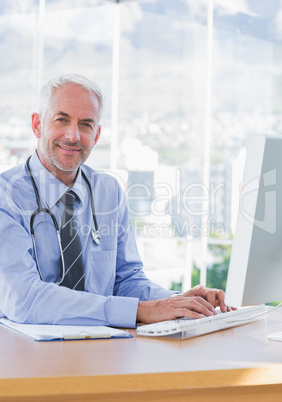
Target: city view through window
(186, 83)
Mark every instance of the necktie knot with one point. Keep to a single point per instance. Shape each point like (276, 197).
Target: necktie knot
(68, 198)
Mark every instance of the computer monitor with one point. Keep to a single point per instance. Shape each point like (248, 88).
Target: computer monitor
(255, 269)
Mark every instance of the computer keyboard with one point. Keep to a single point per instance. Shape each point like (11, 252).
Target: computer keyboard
(183, 328)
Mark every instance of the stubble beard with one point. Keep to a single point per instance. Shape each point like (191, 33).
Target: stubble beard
(66, 164)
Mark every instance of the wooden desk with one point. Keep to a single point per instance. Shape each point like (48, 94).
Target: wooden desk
(237, 364)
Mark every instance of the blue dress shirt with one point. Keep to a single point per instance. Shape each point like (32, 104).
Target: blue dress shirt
(114, 278)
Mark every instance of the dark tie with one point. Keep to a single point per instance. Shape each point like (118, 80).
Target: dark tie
(74, 273)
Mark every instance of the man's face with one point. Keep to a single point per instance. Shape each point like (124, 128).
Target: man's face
(69, 131)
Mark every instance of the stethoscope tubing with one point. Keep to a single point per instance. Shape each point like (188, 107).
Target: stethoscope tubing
(40, 209)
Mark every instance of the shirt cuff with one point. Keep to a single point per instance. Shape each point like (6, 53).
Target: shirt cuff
(123, 311)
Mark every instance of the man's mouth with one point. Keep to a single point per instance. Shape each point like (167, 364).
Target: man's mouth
(69, 149)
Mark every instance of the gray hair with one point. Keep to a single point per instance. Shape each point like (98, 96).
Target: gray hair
(76, 79)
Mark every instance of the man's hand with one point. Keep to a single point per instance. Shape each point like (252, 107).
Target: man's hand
(198, 302)
(214, 296)
(173, 307)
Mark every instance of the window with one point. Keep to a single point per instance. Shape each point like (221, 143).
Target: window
(186, 83)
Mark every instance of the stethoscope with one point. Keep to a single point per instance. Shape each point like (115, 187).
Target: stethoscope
(94, 232)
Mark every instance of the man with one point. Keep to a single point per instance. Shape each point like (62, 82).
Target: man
(112, 289)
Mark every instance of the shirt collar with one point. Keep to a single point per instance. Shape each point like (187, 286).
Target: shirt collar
(52, 189)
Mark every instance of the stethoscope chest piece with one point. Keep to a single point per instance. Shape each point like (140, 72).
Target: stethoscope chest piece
(96, 236)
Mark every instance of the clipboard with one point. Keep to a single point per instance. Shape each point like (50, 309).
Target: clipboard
(44, 332)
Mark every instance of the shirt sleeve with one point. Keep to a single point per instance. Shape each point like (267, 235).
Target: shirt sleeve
(25, 298)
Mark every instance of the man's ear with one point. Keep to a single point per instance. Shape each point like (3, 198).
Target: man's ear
(36, 124)
(97, 136)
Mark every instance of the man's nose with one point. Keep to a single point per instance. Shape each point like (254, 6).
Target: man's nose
(72, 133)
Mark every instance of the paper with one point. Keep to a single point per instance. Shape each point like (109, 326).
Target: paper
(64, 332)
(277, 336)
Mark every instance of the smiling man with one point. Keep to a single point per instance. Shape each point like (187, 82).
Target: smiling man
(68, 131)
(55, 266)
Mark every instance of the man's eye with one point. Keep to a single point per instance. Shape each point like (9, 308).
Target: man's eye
(62, 119)
(85, 124)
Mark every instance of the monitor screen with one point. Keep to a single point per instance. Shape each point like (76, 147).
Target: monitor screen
(255, 269)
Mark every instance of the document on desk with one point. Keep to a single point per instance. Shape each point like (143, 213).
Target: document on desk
(277, 336)
(64, 332)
